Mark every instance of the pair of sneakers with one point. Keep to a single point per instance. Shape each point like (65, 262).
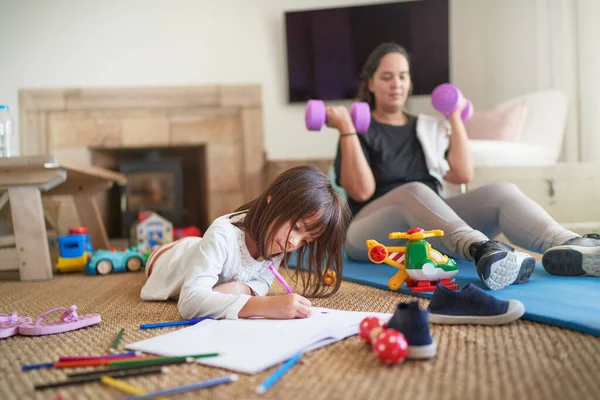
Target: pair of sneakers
(469, 305)
(500, 265)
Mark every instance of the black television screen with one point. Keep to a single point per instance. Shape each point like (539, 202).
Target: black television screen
(326, 48)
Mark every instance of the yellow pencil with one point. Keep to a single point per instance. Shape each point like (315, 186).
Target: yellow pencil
(124, 386)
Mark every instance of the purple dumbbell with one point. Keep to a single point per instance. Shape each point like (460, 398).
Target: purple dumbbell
(446, 98)
(315, 115)
(467, 112)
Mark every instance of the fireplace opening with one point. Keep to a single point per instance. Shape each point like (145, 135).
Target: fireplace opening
(170, 181)
(155, 183)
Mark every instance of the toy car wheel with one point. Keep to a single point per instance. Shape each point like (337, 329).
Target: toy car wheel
(104, 267)
(134, 264)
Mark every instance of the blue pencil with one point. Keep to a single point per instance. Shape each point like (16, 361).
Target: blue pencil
(185, 388)
(174, 323)
(271, 380)
(36, 366)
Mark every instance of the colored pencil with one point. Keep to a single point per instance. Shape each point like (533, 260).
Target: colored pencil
(192, 321)
(185, 388)
(28, 367)
(113, 348)
(124, 386)
(275, 376)
(159, 360)
(69, 382)
(85, 358)
(98, 362)
(280, 279)
(109, 371)
(69, 359)
(112, 372)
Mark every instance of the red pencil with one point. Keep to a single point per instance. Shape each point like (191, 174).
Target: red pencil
(85, 358)
(94, 363)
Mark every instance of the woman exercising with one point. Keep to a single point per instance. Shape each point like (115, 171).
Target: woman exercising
(393, 175)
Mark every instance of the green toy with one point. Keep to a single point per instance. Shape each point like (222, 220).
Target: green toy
(419, 265)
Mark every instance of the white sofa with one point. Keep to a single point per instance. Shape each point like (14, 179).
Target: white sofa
(541, 137)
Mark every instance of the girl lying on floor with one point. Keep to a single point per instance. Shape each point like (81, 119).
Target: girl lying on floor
(226, 273)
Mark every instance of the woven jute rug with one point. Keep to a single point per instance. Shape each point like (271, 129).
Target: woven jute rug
(523, 360)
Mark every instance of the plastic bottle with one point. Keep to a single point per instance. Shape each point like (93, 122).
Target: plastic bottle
(7, 133)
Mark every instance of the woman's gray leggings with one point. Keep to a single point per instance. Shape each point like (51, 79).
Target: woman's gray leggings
(467, 218)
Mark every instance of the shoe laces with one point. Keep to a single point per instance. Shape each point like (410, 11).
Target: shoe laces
(592, 236)
(482, 248)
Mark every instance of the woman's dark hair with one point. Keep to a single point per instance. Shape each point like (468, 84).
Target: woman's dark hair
(371, 65)
(302, 193)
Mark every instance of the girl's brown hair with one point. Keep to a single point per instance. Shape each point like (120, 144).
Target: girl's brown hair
(371, 65)
(302, 193)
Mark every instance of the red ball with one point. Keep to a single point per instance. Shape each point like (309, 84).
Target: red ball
(366, 326)
(390, 346)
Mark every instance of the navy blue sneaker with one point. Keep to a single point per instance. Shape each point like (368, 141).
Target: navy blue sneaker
(500, 265)
(472, 305)
(413, 323)
(578, 256)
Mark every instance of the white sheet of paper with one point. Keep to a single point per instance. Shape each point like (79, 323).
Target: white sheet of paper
(253, 345)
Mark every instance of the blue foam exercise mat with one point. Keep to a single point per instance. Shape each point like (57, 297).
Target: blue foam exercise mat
(568, 302)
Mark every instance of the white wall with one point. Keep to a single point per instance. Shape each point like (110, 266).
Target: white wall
(588, 29)
(499, 49)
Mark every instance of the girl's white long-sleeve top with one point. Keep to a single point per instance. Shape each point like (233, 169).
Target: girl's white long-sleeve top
(189, 268)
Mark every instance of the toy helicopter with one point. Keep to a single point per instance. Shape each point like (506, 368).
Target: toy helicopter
(420, 266)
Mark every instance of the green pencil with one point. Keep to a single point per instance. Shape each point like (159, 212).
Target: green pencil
(160, 360)
(117, 340)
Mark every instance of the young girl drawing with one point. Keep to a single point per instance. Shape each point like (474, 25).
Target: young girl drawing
(226, 273)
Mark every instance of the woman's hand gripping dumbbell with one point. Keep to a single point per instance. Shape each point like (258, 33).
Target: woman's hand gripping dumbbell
(317, 115)
(446, 98)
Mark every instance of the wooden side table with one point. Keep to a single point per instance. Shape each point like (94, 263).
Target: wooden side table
(23, 180)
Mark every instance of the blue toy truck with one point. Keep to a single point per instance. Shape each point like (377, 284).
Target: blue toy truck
(75, 250)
